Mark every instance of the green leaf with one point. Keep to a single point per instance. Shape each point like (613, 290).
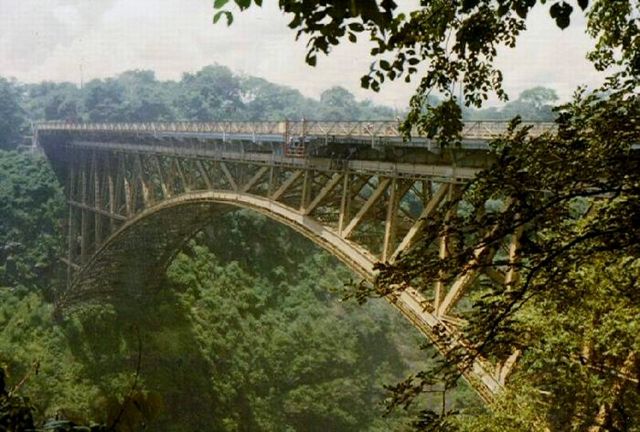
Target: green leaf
(219, 4)
(356, 27)
(561, 12)
(521, 9)
(243, 4)
(385, 65)
(353, 38)
(583, 4)
(311, 59)
(467, 5)
(227, 14)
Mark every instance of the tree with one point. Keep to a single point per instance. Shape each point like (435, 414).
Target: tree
(146, 99)
(104, 101)
(211, 94)
(538, 97)
(338, 104)
(534, 104)
(576, 217)
(267, 101)
(31, 204)
(53, 101)
(569, 198)
(12, 115)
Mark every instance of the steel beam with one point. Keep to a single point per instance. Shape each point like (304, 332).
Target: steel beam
(373, 199)
(326, 190)
(204, 174)
(254, 180)
(412, 236)
(286, 185)
(229, 177)
(104, 162)
(86, 207)
(84, 220)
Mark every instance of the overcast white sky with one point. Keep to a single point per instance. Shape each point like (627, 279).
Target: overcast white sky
(56, 39)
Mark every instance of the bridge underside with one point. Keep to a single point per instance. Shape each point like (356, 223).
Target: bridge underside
(132, 261)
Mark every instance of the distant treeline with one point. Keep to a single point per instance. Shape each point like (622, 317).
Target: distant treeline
(213, 93)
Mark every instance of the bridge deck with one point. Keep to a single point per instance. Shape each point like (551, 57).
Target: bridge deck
(373, 147)
(478, 132)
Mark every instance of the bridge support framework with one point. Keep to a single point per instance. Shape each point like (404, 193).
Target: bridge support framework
(134, 199)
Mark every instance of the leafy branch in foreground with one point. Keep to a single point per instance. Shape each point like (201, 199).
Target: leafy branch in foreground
(450, 45)
(573, 200)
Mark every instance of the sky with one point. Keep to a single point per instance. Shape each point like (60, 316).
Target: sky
(74, 40)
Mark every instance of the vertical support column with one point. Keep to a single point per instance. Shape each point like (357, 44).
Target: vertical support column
(111, 190)
(271, 178)
(72, 235)
(345, 203)
(390, 221)
(504, 368)
(169, 176)
(163, 184)
(443, 253)
(84, 221)
(307, 182)
(146, 193)
(128, 199)
(97, 200)
(185, 184)
(427, 193)
(514, 245)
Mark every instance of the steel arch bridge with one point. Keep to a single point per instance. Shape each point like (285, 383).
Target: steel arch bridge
(137, 192)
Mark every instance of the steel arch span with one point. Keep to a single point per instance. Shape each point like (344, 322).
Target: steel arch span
(137, 192)
(132, 261)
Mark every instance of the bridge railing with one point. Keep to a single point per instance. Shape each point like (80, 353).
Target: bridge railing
(474, 130)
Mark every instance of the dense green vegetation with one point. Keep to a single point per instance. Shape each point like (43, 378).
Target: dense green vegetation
(31, 205)
(245, 334)
(12, 115)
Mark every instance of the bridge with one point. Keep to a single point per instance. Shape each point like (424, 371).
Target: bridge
(137, 192)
